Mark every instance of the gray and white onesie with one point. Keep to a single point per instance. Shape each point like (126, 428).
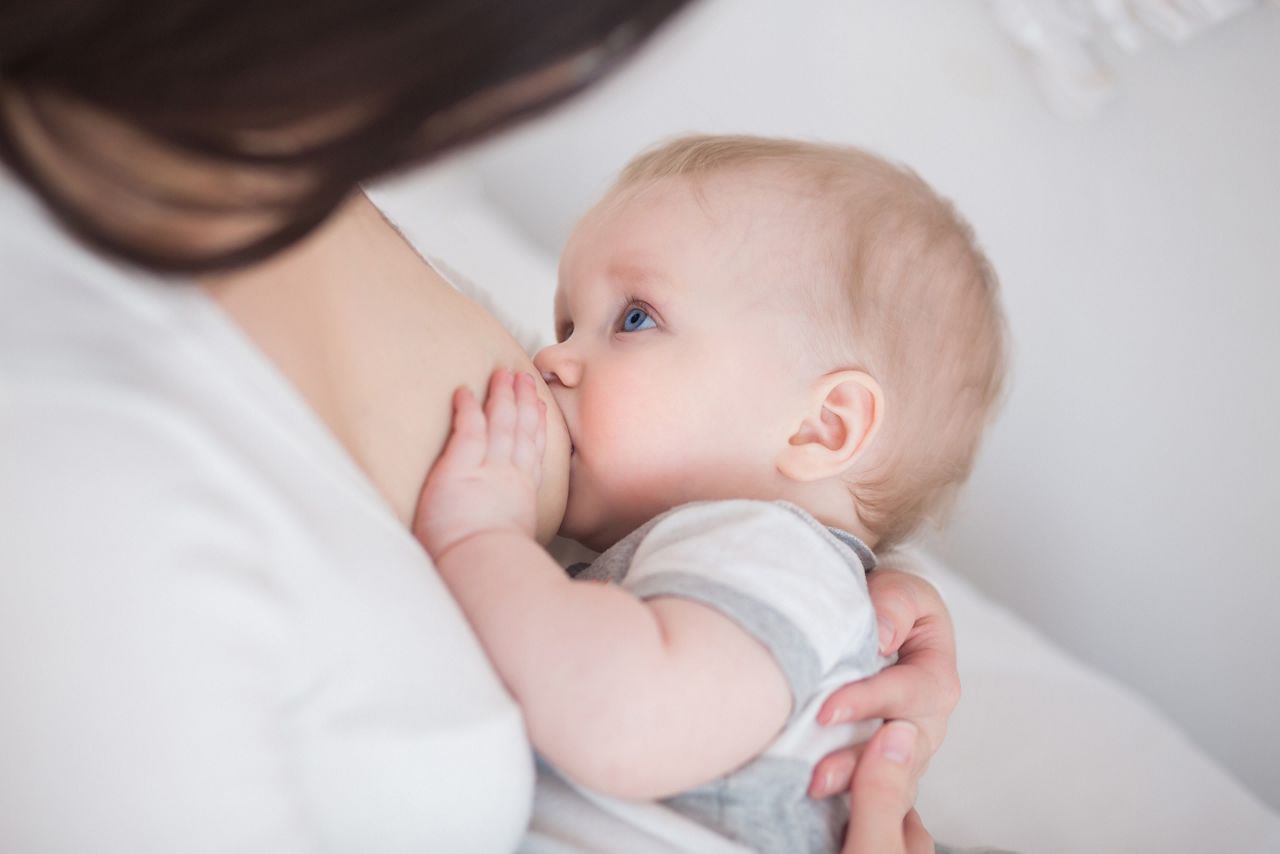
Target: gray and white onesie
(800, 589)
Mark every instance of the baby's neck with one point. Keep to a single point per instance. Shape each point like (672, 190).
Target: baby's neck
(830, 503)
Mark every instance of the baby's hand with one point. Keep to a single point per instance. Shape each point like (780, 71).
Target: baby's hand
(487, 477)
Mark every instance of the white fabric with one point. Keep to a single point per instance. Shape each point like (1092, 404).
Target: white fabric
(1046, 755)
(570, 820)
(443, 213)
(214, 635)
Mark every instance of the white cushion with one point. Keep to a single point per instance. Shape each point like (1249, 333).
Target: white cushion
(1047, 755)
(443, 213)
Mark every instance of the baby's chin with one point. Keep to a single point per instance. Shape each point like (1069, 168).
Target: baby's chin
(596, 533)
(576, 529)
(582, 538)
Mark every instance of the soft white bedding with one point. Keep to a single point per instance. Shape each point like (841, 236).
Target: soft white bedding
(1047, 755)
(1043, 754)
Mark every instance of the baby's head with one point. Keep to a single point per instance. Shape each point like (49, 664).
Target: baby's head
(756, 318)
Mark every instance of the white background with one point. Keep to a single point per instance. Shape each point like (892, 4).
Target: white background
(1124, 502)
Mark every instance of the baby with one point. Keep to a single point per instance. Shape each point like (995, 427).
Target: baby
(773, 358)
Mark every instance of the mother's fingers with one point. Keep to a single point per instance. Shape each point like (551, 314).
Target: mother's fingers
(901, 691)
(882, 793)
(901, 601)
(833, 772)
(914, 834)
(924, 685)
(905, 691)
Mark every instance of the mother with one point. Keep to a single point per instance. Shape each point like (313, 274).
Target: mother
(216, 633)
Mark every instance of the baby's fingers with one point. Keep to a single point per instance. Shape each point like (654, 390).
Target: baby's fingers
(466, 446)
(500, 413)
(540, 440)
(525, 453)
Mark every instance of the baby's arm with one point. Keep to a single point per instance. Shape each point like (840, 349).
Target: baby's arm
(638, 699)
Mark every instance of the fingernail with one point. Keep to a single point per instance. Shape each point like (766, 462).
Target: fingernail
(836, 779)
(838, 716)
(886, 635)
(900, 743)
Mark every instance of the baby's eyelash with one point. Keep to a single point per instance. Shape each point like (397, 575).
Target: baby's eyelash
(563, 331)
(633, 302)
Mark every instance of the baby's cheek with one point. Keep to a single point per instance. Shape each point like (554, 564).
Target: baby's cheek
(651, 478)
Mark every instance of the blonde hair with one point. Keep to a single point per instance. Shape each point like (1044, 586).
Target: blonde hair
(914, 304)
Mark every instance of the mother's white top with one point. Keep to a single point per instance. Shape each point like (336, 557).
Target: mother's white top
(214, 635)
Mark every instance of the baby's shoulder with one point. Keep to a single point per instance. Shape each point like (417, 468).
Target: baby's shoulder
(770, 566)
(743, 524)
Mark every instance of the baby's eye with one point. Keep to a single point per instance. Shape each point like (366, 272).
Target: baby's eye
(635, 319)
(563, 331)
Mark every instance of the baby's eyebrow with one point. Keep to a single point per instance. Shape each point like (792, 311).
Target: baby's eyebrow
(634, 274)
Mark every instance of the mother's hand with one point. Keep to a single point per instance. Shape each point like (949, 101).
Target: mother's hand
(881, 820)
(923, 687)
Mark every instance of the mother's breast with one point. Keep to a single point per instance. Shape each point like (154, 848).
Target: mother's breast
(376, 342)
(462, 344)
(421, 339)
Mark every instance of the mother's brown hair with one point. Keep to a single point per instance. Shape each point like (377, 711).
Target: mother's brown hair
(272, 109)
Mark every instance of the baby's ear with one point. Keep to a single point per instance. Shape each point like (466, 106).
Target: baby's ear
(845, 411)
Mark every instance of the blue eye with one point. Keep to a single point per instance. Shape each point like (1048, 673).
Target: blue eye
(635, 319)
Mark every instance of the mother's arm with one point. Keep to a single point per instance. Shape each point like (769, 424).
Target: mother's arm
(923, 687)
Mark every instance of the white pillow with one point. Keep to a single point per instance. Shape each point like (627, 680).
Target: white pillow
(443, 213)
(1047, 755)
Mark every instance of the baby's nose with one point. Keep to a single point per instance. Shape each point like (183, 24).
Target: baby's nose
(558, 366)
